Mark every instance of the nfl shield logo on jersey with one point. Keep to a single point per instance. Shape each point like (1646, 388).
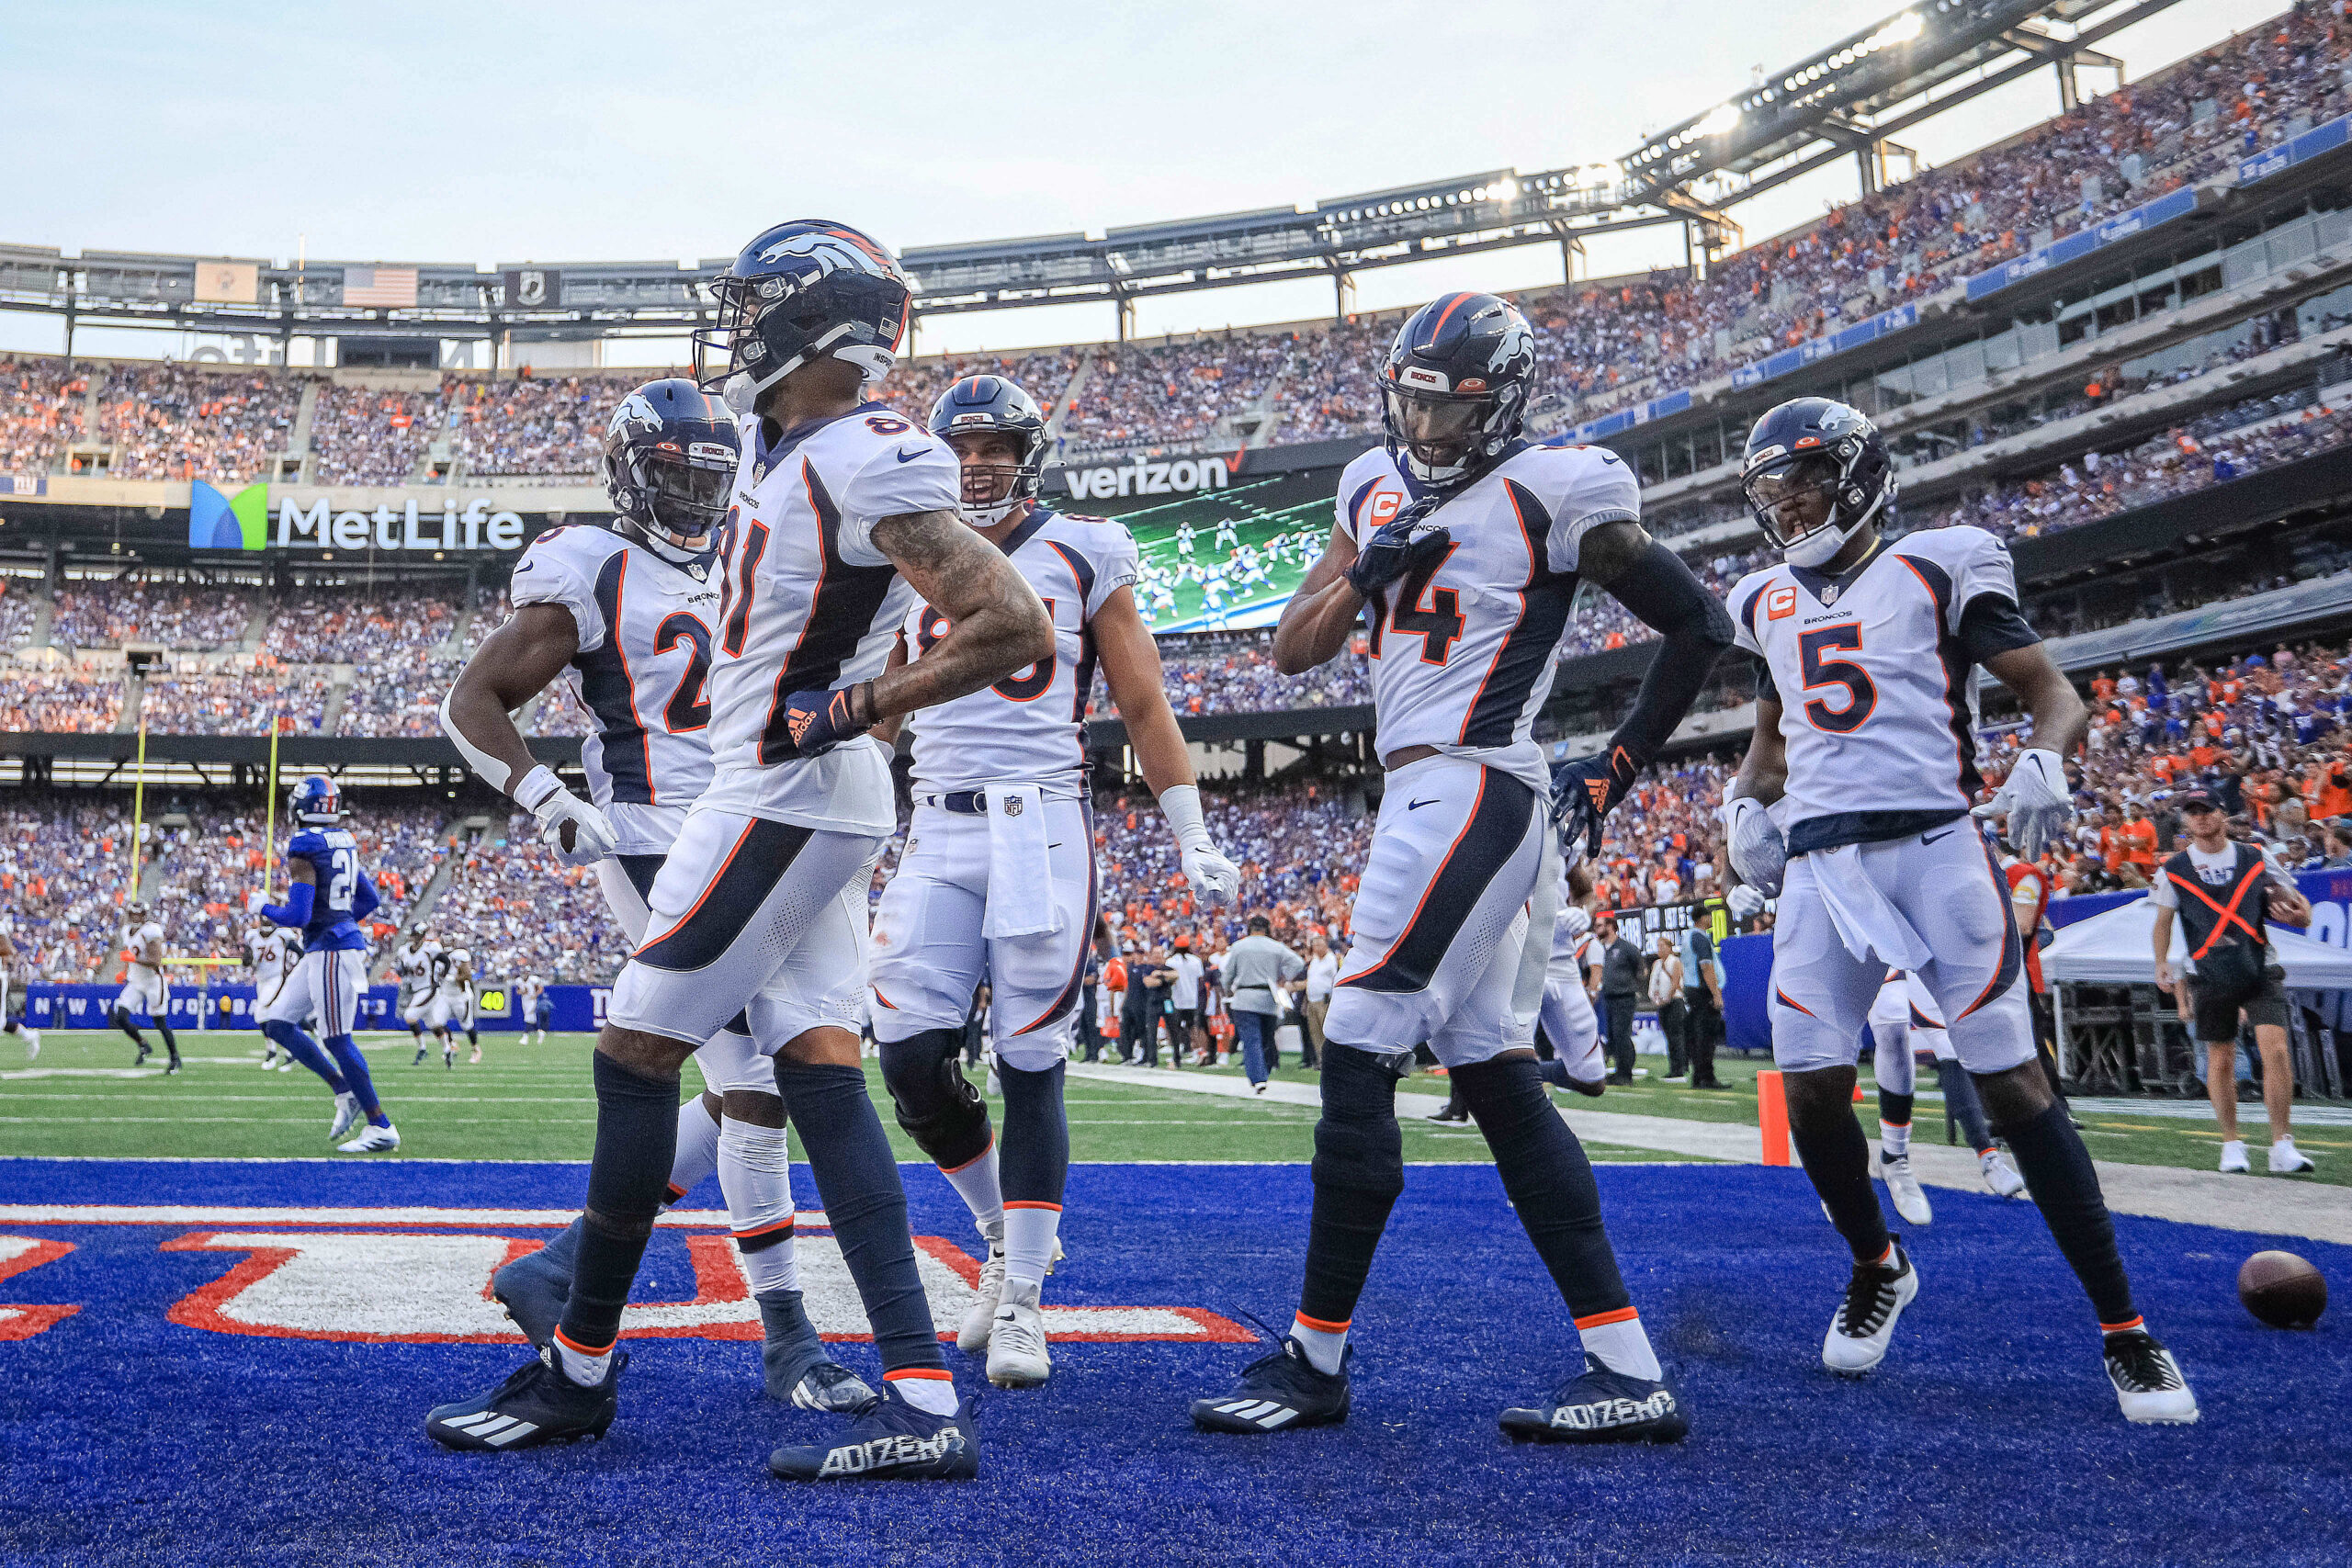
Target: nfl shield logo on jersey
(1013, 806)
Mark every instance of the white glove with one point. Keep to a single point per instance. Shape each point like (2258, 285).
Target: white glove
(1744, 902)
(1577, 922)
(1752, 839)
(254, 900)
(2036, 800)
(1214, 878)
(592, 837)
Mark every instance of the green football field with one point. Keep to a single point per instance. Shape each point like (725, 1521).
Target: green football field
(82, 1097)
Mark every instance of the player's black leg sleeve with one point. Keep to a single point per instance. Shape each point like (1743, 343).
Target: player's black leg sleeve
(1837, 1160)
(2057, 1168)
(1967, 1109)
(122, 1020)
(1894, 1108)
(857, 1181)
(1033, 1165)
(1359, 1171)
(1550, 1181)
(171, 1042)
(637, 1139)
(937, 1106)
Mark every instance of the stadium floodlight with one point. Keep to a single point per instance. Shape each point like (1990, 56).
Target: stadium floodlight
(1720, 119)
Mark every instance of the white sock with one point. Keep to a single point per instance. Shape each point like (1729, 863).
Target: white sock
(755, 1173)
(697, 1153)
(975, 1182)
(1029, 1240)
(1324, 1347)
(1620, 1343)
(933, 1392)
(1894, 1141)
(585, 1368)
(1588, 1065)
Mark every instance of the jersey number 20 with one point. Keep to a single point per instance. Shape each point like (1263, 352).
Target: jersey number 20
(1861, 694)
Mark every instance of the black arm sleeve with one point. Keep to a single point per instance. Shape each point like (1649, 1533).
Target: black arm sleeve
(1658, 588)
(1991, 624)
(1766, 689)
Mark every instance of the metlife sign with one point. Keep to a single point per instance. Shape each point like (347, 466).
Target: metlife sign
(242, 522)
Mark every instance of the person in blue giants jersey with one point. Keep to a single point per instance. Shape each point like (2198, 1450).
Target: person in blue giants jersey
(327, 898)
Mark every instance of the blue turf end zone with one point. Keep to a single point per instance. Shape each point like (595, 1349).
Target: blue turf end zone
(1989, 1438)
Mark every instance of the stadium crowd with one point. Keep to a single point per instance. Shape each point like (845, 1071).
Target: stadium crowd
(174, 614)
(174, 422)
(240, 704)
(60, 701)
(1172, 394)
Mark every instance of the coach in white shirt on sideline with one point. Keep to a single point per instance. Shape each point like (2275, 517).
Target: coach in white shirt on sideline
(1322, 977)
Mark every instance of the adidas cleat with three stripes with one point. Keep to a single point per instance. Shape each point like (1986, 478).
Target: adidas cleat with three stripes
(1598, 1405)
(536, 1406)
(1277, 1393)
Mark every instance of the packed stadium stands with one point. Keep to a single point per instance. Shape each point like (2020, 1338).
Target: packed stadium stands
(1173, 394)
(60, 701)
(108, 614)
(172, 422)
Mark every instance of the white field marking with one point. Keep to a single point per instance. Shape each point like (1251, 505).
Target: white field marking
(2203, 1111)
(228, 1215)
(280, 1098)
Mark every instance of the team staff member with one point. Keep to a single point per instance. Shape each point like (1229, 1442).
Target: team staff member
(1703, 997)
(1184, 970)
(1256, 969)
(2224, 893)
(1621, 990)
(1322, 975)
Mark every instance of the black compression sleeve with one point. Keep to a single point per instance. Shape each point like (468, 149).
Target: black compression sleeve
(1658, 588)
(1991, 624)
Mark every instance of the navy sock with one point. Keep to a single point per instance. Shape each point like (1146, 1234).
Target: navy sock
(2057, 1168)
(1549, 1179)
(1967, 1109)
(1894, 1109)
(289, 1038)
(857, 1181)
(1032, 1162)
(1837, 1162)
(637, 1139)
(1359, 1171)
(355, 1072)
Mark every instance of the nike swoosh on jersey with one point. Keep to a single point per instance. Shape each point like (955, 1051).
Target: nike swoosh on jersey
(1947, 833)
(911, 457)
(1416, 805)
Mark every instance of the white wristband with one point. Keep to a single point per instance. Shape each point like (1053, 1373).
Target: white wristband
(1180, 804)
(493, 772)
(529, 794)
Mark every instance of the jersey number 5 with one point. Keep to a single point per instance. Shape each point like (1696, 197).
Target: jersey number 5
(1861, 694)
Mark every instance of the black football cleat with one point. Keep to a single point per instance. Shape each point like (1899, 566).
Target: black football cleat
(535, 1287)
(1598, 1405)
(889, 1440)
(536, 1406)
(1279, 1392)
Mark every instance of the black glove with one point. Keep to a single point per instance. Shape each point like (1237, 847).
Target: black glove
(1393, 551)
(1585, 792)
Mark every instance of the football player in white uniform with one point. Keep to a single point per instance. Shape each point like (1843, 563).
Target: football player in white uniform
(1863, 726)
(1904, 1027)
(539, 1008)
(458, 991)
(417, 962)
(1463, 546)
(12, 999)
(447, 996)
(996, 881)
(145, 988)
(1571, 980)
(844, 515)
(625, 616)
(273, 954)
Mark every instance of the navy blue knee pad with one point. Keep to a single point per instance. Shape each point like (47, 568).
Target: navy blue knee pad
(936, 1105)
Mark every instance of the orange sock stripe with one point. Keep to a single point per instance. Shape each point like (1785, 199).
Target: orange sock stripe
(762, 1230)
(1031, 1203)
(936, 1374)
(1888, 1256)
(675, 1191)
(569, 1343)
(2120, 1327)
(1601, 1319)
(1320, 1327)
(952, 1170)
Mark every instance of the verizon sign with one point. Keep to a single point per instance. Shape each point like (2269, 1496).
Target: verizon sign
(1182, 476)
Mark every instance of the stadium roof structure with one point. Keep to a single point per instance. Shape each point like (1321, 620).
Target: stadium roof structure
(1846, 100)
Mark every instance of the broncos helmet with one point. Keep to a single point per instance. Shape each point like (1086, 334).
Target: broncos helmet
(670, 450)
(315, 802)
(977, 403)
(1453, 389)
(803, 291)
(1815, 474)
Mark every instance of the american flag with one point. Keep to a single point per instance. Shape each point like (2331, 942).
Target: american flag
(390, 286)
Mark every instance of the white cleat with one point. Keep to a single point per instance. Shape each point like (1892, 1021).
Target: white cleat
(32, 1044)
(972, 1336)
(346, 1116)
(2148, 1381)
(269, 1058)
(1903, 1187)
(1017, 1354)
(1864, 1323)
(374, 1141)
(2001, 1178)
(2286, 1159)
(2233, 1157)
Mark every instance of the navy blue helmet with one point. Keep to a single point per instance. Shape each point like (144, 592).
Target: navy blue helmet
(1815, 474)
(806, 291)
(670, 450)
(990, 403)
(315, 802)
(1454, 386)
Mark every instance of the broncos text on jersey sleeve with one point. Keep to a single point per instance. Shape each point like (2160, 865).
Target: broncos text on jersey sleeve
(1028, 727)
(808, 603)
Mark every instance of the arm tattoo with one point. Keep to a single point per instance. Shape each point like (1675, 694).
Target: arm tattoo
(996, 624)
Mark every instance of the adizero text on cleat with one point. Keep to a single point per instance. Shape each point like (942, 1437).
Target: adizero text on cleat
(1598, 1405)
(536, 1406)
(1864, 1322)
(1277, 1393)
(2148, 1383)
(890, 1441)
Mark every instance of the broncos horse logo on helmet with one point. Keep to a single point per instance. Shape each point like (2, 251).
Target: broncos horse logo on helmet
(1816, 473)
(670, 451)
(315, 802)
(1454, 386)
(804, 290)
(991, 405)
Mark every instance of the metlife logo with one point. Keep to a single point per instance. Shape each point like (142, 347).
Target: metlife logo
(217, 522)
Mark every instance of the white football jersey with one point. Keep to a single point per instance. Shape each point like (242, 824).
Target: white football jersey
(1572, 941)
(272, 956)
(136, 939)
(1028, 727)
(1463, 655)
(445, 967)
(648, 632)
(414, 965)
(808, 603)
(1870, 670)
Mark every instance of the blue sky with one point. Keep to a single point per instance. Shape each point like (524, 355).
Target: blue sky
(513, 132)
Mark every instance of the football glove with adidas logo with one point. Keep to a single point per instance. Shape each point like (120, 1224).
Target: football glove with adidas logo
(819, 721)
